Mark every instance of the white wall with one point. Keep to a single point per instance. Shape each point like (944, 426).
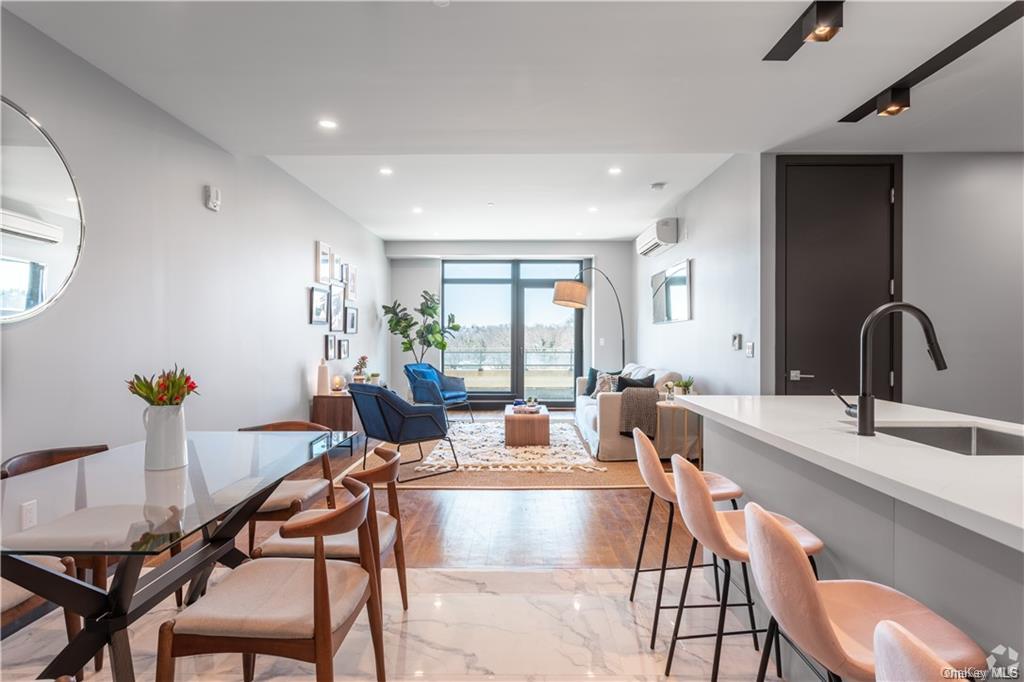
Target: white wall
(963, 263)
(162, 280)
(417, 265)
(720, 231)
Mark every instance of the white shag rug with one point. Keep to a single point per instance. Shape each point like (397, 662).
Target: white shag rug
(481, 446)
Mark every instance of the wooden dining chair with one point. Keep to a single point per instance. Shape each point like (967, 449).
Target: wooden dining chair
(14, 596)
(292, 608)
(385, 526)
(40, 459)
(293, 495)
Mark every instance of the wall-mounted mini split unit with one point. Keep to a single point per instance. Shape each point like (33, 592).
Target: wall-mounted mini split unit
(658, 237)
(19, 225)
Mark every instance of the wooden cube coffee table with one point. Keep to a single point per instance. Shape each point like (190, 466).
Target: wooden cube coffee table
(527, 429)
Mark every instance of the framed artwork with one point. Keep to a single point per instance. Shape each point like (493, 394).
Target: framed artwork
(323, 263)
(352, 281)
(319, 305)
(351, 320)
(330, 347)
(343, 350)
(337, 269)
(337, 308)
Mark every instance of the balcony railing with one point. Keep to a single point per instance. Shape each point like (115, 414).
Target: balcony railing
(549, 374)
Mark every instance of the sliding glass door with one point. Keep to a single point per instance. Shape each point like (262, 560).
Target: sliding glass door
(514, 341)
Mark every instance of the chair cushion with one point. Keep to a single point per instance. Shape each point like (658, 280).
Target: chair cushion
(304, 490)
(454, 396)
(855, 607)
(343, 546)
(273, 598)
(11, 594)
(427, 373)
(734, 531)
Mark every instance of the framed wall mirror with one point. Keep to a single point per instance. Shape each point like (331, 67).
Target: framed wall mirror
(41, 225)
(670, 292)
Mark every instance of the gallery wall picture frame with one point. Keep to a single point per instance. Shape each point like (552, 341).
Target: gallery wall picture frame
(351, 320)
(351, 288)
(323, 262)
(319, 305)
(343, 349)
(337, 269)
(330, 347)
(337, 315)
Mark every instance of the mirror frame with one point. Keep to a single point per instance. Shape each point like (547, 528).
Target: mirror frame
(81, 220)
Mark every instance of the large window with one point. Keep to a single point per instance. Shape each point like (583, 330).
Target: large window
(514, 341)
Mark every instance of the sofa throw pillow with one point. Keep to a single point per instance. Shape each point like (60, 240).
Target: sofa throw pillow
(625, 382)
(605, 383)
(592, 380)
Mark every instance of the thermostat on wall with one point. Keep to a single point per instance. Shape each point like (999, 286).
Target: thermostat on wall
(212, 195)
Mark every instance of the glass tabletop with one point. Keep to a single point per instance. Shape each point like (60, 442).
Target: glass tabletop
(108, 503)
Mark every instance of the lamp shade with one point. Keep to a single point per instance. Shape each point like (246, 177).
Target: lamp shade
(571, 294)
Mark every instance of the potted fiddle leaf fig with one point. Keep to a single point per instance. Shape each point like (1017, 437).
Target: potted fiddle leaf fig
(420, 335)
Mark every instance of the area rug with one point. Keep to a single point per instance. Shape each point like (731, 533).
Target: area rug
(481, 447)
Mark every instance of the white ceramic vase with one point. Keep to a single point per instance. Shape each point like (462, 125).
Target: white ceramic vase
(166, 443)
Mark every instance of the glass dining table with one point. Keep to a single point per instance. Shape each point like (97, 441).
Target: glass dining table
(110, 504)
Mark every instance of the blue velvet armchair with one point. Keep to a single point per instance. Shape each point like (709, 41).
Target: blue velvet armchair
(430, 387)
(387, 417)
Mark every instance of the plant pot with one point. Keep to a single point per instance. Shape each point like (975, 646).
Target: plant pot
(358, 379)
(166, 443)
(166, 498)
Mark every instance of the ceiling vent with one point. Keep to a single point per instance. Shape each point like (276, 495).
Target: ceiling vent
(659, 237)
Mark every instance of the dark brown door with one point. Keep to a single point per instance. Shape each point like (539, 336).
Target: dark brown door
(838, 231)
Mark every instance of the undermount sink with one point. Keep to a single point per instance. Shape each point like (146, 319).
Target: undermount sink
(965, 440)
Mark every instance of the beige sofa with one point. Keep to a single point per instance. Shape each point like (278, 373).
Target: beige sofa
(598, 418)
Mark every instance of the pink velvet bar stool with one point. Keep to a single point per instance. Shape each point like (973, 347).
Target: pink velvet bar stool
(724, 534)
(834, 621)
(901, 656)
(660, 484)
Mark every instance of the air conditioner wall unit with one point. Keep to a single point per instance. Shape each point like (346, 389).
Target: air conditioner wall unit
(19, 225)
(659, 237)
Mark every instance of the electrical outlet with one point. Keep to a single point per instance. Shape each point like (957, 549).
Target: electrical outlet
(29, 516)
(600, 342)
(750, 349)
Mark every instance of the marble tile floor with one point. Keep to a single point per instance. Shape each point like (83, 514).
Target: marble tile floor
(468, 625)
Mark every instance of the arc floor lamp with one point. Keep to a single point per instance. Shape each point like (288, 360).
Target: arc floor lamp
(573, 293)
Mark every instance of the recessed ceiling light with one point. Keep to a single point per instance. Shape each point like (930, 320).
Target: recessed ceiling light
(417, 209)
(592, 209)
(327, 124)
(614, 170)
(386, 171)
(490, 204)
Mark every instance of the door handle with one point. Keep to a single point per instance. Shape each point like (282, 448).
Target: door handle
(797, 375)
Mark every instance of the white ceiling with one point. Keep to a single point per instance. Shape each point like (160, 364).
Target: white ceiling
(450, 96)
(535, 196)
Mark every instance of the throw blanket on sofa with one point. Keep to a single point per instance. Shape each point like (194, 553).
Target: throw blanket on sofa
(639, 410)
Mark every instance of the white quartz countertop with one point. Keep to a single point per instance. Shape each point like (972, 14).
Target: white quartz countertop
(984, 494)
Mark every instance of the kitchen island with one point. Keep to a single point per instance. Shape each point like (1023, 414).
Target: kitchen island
(944, 527)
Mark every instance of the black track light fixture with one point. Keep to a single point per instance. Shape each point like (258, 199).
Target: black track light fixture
(893, 102)
(819, 23)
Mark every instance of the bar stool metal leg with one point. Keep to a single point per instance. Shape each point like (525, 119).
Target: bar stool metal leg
(682, 605)
(750, 605)
(643, 542)
(726, 581)
(661, 575)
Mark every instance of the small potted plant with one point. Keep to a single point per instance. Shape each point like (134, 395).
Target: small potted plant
(358, 376)
(375, 378)
(164, 418)
(670, 388)
(686, 386)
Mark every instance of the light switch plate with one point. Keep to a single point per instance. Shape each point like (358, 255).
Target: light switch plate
(737, 341)
(29, 514)
(750, 349)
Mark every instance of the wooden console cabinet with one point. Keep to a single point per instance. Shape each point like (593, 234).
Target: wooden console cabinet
(333, 411)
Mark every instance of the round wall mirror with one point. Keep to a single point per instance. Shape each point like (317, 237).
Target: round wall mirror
(41, 226)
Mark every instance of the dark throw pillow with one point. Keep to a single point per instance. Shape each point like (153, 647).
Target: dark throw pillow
(592, 380)
(626, 382)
